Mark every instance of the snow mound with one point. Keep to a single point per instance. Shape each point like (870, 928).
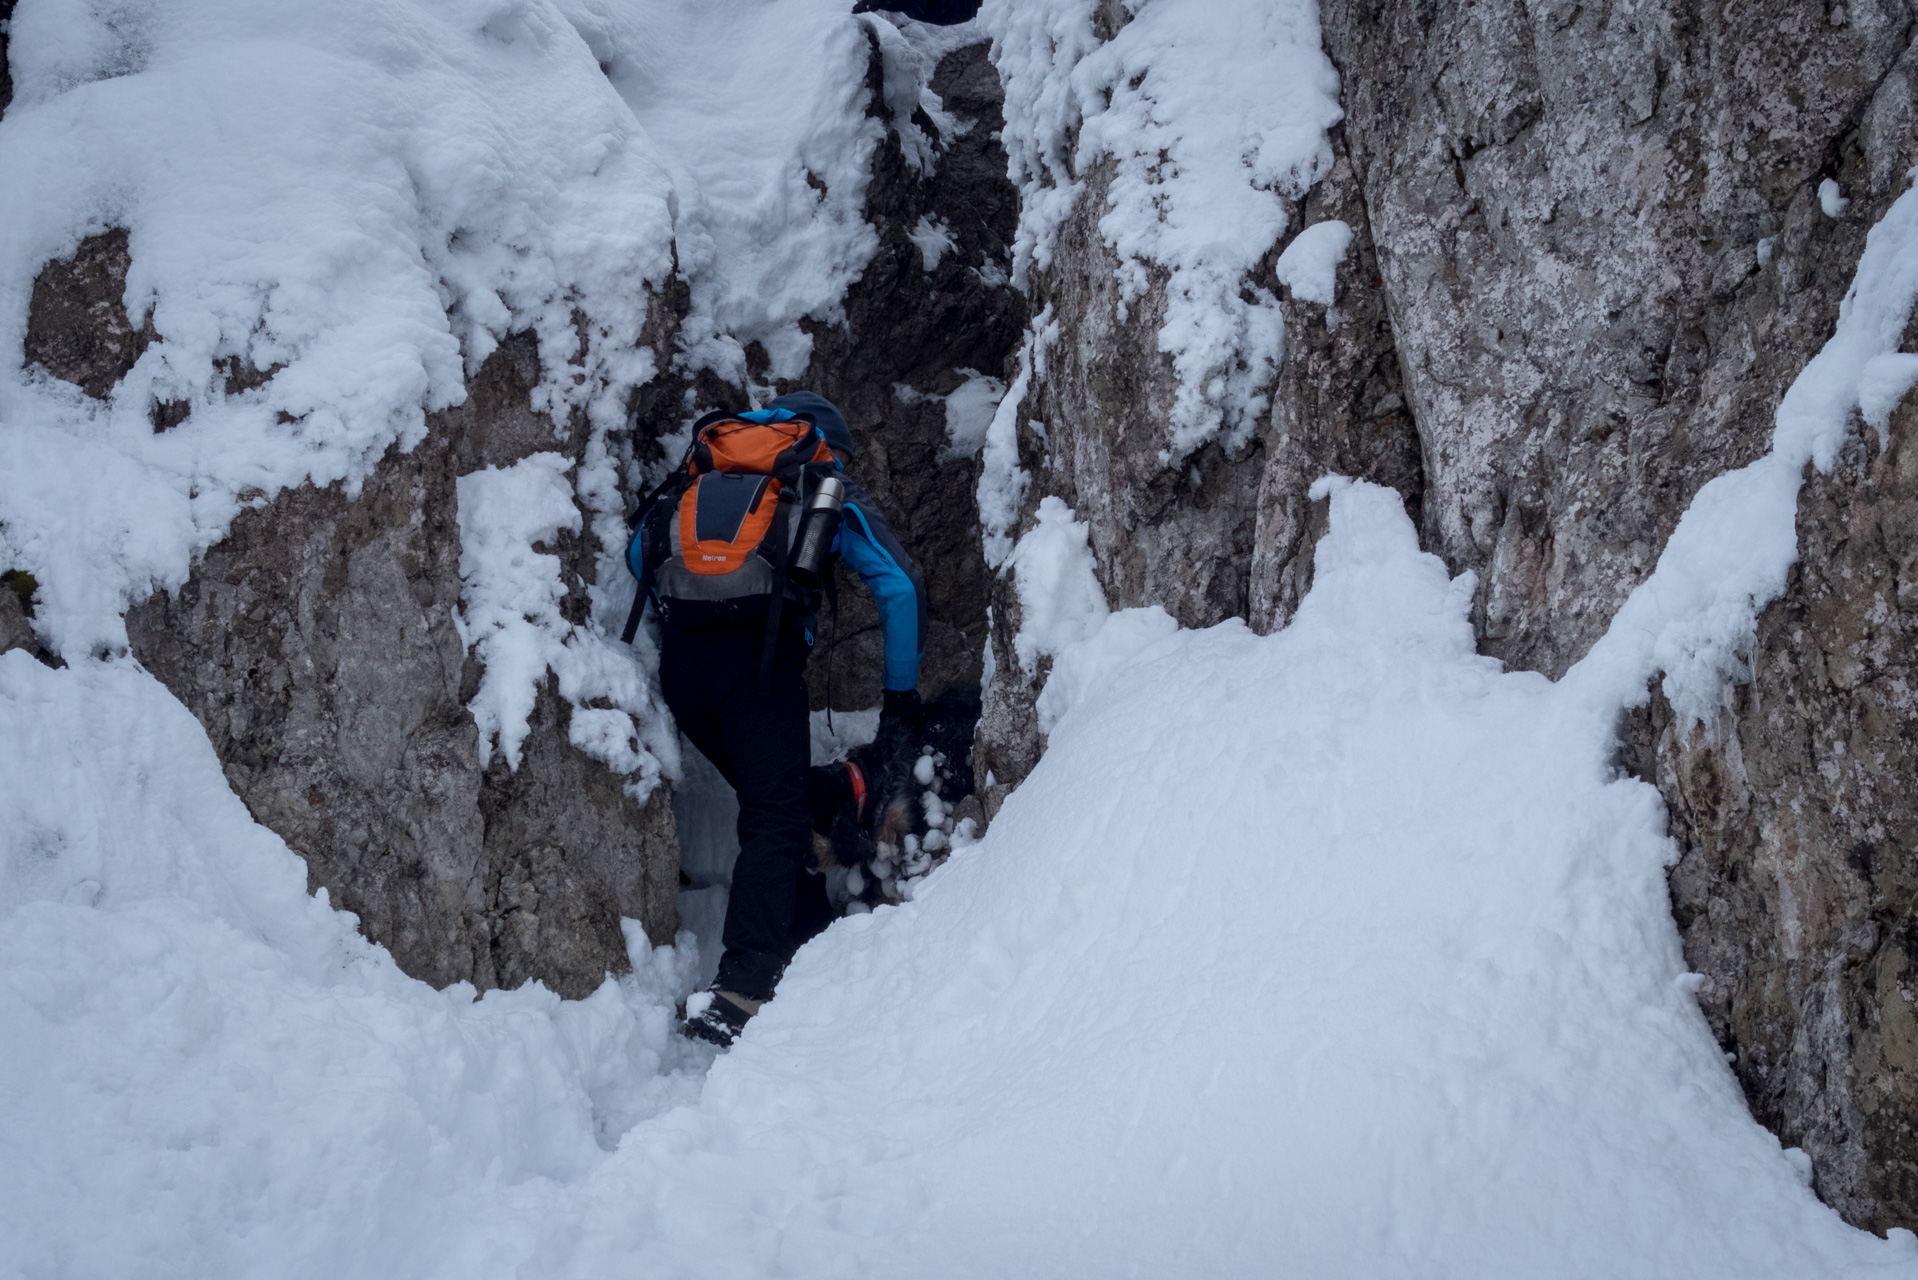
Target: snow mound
(1338, 949)
(210, 1073)
(1338, 952)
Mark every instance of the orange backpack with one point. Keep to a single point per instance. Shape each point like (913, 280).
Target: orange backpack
(711, 543)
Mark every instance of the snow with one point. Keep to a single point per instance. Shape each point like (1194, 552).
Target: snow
(1831, 198)
(370, 195)
(759, 113)
(1309, 266)
(1363, 932)
(510, 617)
(1002, 481)
(1060, 601)
(1339, 952)
(209, 1072)
(934, 239)
(970, 408)
(1211, 112)
(969, 413)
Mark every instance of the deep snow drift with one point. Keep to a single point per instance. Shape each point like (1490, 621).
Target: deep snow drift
(1337, 952)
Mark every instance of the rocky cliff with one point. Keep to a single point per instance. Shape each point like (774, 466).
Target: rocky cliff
(1592, 245)
(320, 642)
(1797, 891)
(930, 315)
(1607, 254)
(319, 646)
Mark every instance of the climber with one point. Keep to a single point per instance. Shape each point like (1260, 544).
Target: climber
(733, 651)
(940, 13)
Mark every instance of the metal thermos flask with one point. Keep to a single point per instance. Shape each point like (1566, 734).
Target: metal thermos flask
(818, 525)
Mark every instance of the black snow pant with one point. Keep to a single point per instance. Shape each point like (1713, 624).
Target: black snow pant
(763, 747)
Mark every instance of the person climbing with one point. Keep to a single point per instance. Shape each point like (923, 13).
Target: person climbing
(721, 552)
(940, 13)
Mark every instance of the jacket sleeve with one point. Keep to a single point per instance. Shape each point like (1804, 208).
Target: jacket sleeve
(866, 542)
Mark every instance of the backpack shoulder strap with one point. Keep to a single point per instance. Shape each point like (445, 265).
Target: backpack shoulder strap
(672, 486)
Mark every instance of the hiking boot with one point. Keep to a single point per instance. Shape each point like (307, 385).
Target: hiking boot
(721, 1017)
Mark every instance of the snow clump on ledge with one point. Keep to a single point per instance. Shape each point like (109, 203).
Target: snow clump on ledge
(511, 619)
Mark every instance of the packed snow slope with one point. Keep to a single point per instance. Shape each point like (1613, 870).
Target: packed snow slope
(1334, 953)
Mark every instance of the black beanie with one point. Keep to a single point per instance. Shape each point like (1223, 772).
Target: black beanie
(825, 415)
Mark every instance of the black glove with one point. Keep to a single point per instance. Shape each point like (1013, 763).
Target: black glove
(895, 748)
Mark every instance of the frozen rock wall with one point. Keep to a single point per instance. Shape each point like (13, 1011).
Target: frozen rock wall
(1608, 249)
(929, 329)
(319, 646)
(1797, 891)
(1225, 529)
(1591, 246)
(1184, 446)
(1606, 258)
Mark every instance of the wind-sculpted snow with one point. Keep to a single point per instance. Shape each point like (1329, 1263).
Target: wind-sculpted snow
(1210, 113)
(361, 198)
(350, 207)
(1336, 953)
(761, 112)
(210, 1073)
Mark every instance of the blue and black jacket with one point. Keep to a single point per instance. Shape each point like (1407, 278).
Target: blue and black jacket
(868, 546)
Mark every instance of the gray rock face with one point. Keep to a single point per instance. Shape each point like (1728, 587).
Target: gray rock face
(1605, 260)
(317, 645)
(1797, 892)
(1226, 535)
(77, 323)
(1572, 204)
(16, 632)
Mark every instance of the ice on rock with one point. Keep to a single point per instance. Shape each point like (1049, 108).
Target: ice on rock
(934, 239)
